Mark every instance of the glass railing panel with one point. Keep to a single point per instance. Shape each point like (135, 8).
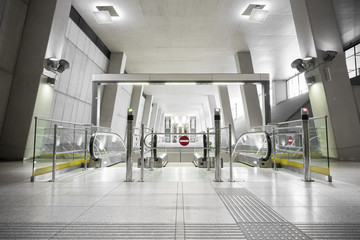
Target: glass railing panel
(319, 146)
(67, 140)
(289, 141)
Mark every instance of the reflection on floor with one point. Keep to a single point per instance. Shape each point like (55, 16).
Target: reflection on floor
(180, 202)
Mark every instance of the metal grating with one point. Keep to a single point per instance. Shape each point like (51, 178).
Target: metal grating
(213, 231)
(272, 231)
(331, 231)
(246, 207)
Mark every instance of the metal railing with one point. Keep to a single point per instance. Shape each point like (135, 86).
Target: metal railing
(69, 144)
(288, 141)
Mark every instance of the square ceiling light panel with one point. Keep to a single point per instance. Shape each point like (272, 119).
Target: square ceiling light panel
(102, 17)
(258, 15)
(110, 9)
(249, 9)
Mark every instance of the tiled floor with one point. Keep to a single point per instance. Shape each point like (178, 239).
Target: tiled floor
(182, 200)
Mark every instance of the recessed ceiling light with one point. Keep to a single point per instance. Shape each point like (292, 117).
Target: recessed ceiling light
(110, 9)
(258, 15)
(248, 10)
(102, 17)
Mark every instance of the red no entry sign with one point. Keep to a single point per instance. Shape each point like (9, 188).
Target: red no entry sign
(184, 140)
(290, 140)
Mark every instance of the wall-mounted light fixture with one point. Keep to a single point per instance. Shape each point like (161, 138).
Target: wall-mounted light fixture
(51, 81)
(310, 80)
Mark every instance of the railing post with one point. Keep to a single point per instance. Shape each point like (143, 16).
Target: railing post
(54, 154)
(230, 154)
(306, 145)
(86, 136)
(274, 147)
(142, 153)
(129, 163)
(208, 149)
(32, 179)
(217, 145)
(151, 162)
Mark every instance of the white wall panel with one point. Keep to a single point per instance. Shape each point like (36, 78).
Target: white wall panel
(72, 97)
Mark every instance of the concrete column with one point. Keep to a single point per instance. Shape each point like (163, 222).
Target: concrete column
(153, 116)
(331, 94)
(135, 103)
(226, 109)
(116, 65)
(26, 78)
(244, 65)
(212, 106)
(147, 110)
(161, 122)
(158, 119)
(253, 115)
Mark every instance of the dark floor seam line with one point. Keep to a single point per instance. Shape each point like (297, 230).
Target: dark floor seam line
(183, 207)
(177, 197)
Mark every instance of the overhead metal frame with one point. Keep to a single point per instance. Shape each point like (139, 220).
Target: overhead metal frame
(162, 79)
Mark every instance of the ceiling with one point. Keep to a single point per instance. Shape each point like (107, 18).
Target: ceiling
(196, 36)
(202, 36)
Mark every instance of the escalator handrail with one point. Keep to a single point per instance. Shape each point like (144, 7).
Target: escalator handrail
(93, 137)
(268, 140)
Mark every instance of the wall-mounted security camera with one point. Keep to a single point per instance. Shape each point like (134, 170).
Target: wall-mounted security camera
(63, 65)
(56, 65)
(303, 65)
(329, 55)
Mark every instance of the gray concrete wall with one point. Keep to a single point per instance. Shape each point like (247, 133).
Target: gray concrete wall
(12, 15)
(26, 78)
(357, 97)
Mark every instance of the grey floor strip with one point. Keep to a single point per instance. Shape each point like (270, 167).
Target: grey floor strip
(331, 231)
(213, 231)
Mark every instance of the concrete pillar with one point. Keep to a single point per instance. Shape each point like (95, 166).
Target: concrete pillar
(147, 110)
(153, 116)
(244, 65)
(158, 119)
(116, 65)
(331, 94)
(26, 78)
(226, 109)
(253, 115)
(212, 106)
(136, 96)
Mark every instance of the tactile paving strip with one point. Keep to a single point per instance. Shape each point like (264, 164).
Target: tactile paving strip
(213, 231)
(331, 231)
(87, 231)
(272, 231)
(246, 207)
